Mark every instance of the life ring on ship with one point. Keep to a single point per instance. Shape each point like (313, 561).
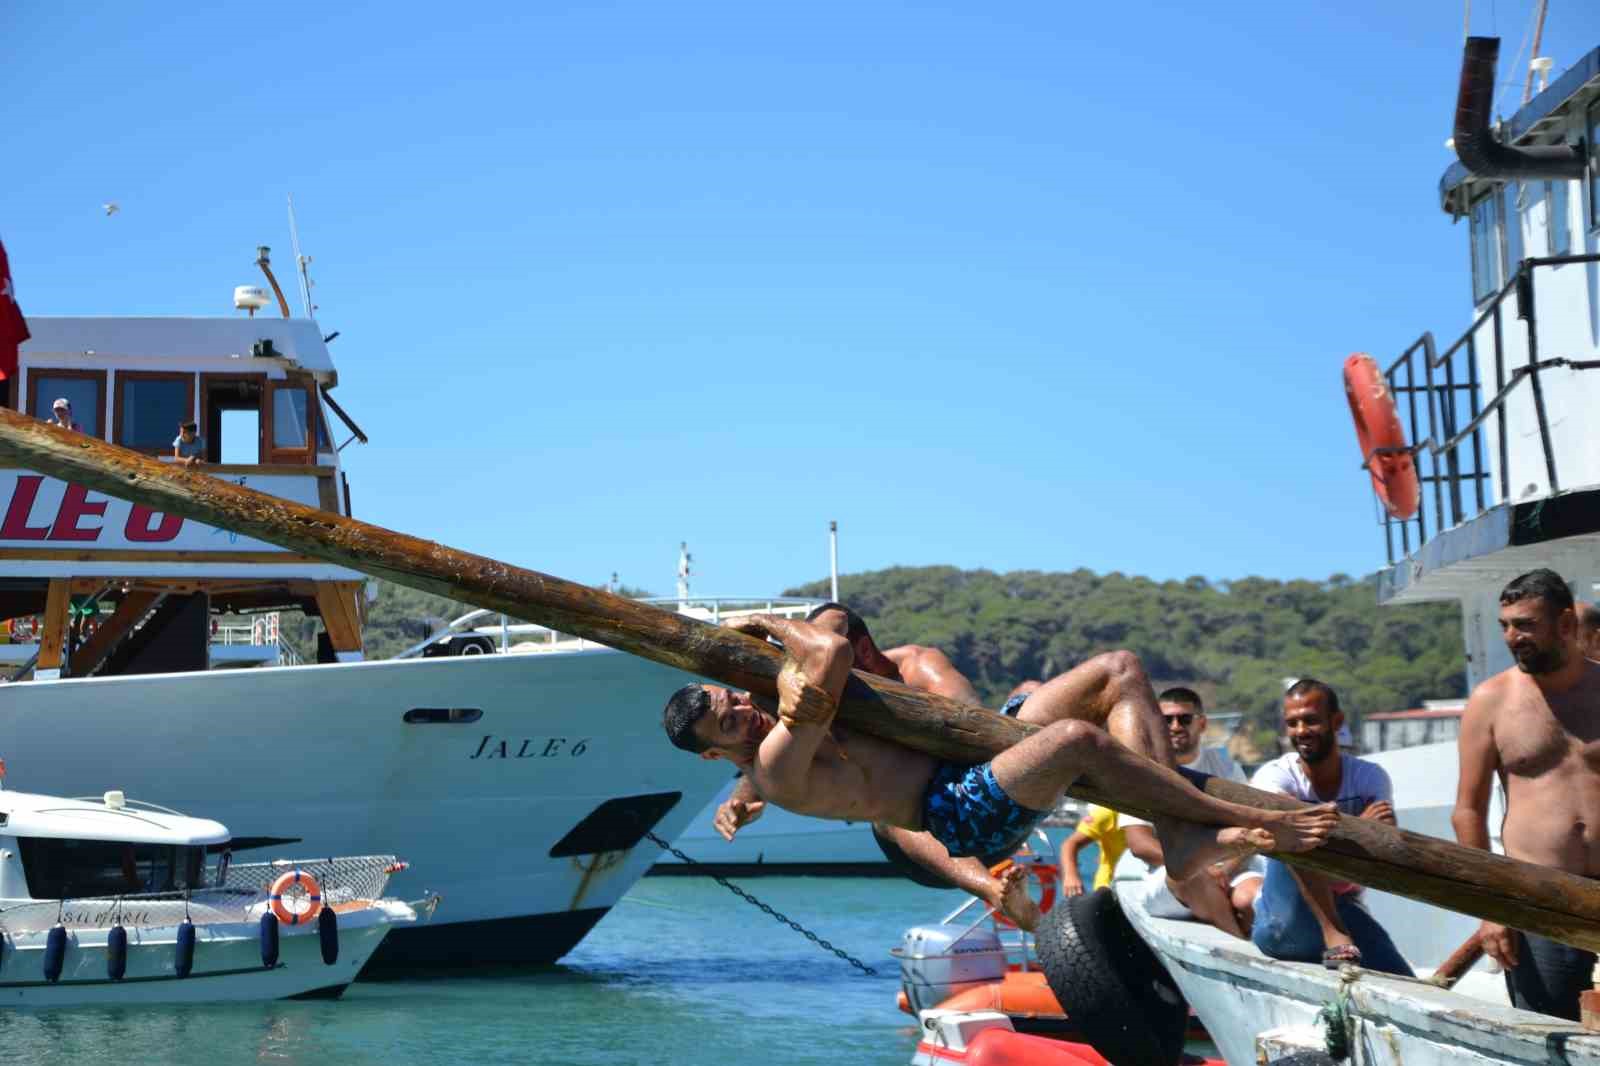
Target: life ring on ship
(1045, 876)
(1115, 989)
(23, 629)
(1382, 440)
(308, 886)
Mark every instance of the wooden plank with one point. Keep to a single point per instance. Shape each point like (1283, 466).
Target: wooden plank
(53, 629)
(1541, 900)
(93, 651)
(337, 604)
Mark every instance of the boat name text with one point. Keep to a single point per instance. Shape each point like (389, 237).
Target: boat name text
(491, 747)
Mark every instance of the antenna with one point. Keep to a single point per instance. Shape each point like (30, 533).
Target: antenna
(301, 263)
(684, 559)
(833, 560)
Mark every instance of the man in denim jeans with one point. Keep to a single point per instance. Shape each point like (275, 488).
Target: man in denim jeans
(1299, 915)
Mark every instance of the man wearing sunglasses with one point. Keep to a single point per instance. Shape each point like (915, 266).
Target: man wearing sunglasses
(1208, 896)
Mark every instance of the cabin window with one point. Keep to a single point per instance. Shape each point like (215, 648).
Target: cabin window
(230, 415)
(1514, 214)
(150, 407)
(85, 390)
(73, 869)
(1558, 216)
(1485, 223)
(293, 423)
(1591, 125)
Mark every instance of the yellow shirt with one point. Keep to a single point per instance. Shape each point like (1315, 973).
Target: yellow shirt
(1100, 826)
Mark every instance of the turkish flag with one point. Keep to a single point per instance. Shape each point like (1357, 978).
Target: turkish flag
(13, 329)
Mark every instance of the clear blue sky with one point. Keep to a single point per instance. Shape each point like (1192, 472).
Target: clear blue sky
(1021, 286)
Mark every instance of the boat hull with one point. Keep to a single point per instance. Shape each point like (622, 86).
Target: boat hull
(780, 842)
(323, 756)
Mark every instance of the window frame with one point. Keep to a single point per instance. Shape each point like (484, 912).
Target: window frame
(1565, 248)
(306, 456)
(1493, 203)
(261, 379)
(187, 377)
(1591, 127)
(35, 373)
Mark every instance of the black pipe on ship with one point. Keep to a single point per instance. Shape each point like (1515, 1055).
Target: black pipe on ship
(1475, 145)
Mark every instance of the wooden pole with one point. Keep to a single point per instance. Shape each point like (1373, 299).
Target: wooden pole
(1559, 905)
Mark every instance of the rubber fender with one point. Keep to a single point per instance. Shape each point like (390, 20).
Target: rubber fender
(183, 961)
(55, 952)
(269, 940)
(117, 952)
(328, 935)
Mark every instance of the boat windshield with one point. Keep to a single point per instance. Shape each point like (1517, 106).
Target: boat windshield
(75, 869)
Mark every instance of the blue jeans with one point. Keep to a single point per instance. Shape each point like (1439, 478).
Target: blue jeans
(1286, 929)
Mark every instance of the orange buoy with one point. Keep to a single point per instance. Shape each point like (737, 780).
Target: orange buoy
(308, 887)
(1394, 473)
(1021, 992)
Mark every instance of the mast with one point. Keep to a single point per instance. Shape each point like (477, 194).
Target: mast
(301, 263)
(833, 561)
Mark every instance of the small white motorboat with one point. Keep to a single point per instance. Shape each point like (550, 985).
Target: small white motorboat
(110, 901)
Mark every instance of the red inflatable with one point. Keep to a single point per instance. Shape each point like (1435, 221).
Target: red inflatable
(1394, 473)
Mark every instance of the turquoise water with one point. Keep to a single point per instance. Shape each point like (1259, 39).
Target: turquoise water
(681, 971)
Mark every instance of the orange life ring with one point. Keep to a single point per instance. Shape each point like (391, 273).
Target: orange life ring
(1044, 874)
(308, 886)
(23, 629)
(1394, 473)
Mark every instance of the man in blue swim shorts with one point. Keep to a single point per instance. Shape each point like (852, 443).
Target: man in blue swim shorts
(1098, 722)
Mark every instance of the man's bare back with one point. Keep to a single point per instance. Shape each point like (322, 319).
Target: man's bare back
(930, 670)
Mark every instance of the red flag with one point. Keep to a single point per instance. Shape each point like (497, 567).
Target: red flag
(13, 329)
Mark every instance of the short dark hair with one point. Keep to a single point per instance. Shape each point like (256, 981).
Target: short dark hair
(192, 426)
(1307, 685)
(1544, 584)
(854, 627)
(684, 708)
(1180, 694)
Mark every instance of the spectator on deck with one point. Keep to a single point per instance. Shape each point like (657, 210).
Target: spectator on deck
(61, 415)
(189, 448)
(1099, 826)
(1208, 896)
(1589, 629)
(1302, 916)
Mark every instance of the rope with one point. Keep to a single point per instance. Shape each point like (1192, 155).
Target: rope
(778, 915)
(1335, 1016)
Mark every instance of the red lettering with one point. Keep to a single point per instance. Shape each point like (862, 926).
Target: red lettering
(16, 525)
(139, 528)
(75, 506)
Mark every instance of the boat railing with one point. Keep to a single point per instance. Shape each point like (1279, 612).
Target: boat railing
(503, 632)
(1445, 399)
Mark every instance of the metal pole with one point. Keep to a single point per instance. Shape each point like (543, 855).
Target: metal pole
(833, 561)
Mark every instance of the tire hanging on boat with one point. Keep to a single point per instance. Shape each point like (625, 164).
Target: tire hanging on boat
(1382, 440)
(1110, 983)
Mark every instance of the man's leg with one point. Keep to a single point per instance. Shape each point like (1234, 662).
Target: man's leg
(1284, 927)
(1110, 691)
(1208, 901)
(1372, 939)
(1034, 773)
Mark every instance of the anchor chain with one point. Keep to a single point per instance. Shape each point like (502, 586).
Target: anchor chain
(779, 915)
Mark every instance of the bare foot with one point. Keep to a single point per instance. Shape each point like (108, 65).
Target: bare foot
(1015, 903)
(1300, 830)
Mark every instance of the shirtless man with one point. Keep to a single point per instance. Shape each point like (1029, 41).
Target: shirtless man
(1536, 726)
(929, 670)
(1589, 629)
(798, 759)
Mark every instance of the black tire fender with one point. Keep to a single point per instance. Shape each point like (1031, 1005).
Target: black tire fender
(1110, 983)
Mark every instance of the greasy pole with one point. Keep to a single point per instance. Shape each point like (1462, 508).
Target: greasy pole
(1554, 904)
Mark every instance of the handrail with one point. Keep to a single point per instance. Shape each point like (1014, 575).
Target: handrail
(1445, 437)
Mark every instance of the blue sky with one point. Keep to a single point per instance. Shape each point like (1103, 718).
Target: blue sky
(1033, 287)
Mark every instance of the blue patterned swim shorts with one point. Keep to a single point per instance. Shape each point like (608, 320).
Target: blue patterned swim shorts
(968, 812)
(1014, 704)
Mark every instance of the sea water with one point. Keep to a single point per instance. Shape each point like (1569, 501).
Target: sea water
(680, 971)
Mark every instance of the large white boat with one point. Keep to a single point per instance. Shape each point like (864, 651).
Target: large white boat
(522, 785)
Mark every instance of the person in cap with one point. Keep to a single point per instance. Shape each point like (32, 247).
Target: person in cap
(61, 415)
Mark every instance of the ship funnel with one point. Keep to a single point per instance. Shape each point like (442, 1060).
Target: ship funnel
(1475, 145)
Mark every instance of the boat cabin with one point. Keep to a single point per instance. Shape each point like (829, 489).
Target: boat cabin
(54, 848)
(1500, 418)
(94, 585)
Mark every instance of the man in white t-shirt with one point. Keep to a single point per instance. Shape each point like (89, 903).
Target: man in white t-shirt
(1299, 915)
(1208, 896)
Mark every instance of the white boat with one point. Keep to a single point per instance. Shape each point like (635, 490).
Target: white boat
(114, 902)
(522, 784)
(780, 842)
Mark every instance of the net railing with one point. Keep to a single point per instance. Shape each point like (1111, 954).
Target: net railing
(237, 892)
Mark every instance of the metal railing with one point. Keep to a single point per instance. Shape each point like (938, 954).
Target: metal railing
(1452, 456)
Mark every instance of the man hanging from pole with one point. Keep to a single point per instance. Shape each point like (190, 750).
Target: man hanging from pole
(799, 759)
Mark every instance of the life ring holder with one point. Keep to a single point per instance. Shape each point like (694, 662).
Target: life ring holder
(308, 885)
(1045, 875)
(1381, 437)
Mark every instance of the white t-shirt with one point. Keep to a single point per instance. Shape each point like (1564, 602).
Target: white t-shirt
(1361, 784)
(1213, 761)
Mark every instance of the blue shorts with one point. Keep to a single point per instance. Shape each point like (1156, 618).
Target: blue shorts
(1014, 705)
(968, 812)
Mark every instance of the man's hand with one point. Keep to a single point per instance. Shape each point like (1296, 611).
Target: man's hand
(1499, 943)
(1071, 883)
(735, 814)
(1381, 811)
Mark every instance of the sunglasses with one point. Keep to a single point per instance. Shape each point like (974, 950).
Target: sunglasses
(1182, 719)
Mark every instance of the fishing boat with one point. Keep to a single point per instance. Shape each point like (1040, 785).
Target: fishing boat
(523, 774)
(112, 901)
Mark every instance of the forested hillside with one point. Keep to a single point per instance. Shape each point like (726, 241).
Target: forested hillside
(1236, 641)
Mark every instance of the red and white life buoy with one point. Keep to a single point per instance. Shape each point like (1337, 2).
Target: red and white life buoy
(295, 883)
(1044, 875)
(24, 629)
(1382, 440)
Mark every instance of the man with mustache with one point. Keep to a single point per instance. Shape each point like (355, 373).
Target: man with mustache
(1300, 915)
(1535, 726)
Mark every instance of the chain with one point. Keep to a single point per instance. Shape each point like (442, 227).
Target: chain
(779, 915)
